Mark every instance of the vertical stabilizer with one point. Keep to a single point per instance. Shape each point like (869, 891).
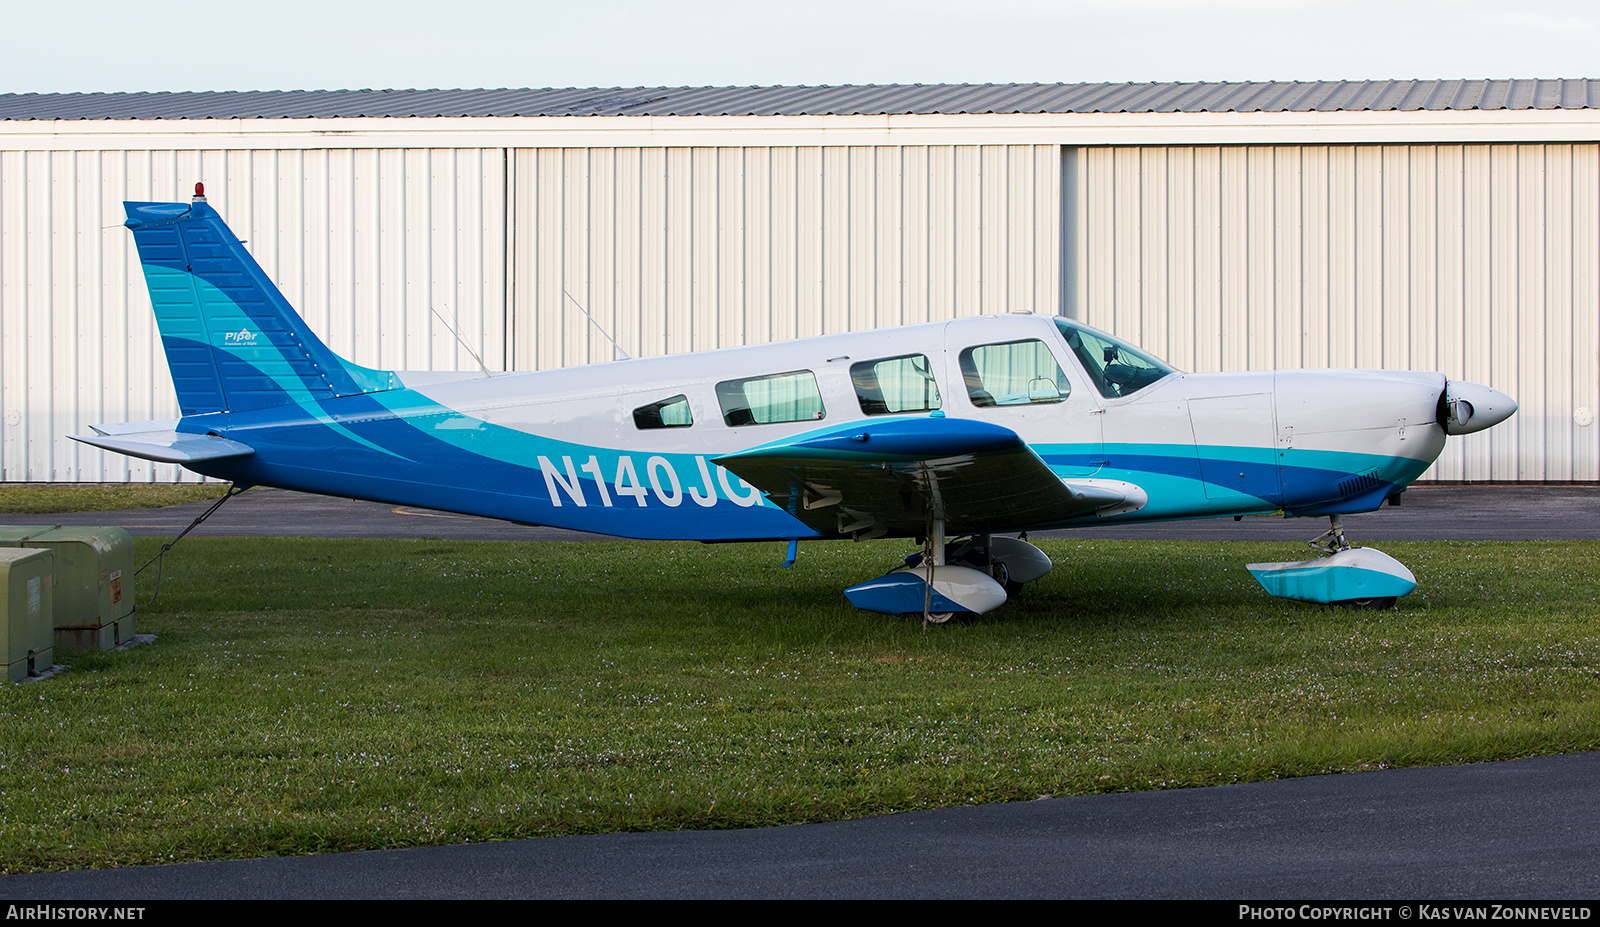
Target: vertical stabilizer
(233, 342)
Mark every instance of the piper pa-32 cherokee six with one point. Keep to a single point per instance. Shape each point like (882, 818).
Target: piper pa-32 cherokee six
(952, 430)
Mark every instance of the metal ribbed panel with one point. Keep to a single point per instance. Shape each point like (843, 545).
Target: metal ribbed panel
(678, 250)
(949, 99)
(361, 242)
(1476, 260)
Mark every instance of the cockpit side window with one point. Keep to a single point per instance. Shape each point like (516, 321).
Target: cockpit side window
(779, 397)
(895, 384)
(1115, 367)
(668, 413)
(1013, 373)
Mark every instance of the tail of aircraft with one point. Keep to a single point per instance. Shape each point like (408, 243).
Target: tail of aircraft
(233, 342)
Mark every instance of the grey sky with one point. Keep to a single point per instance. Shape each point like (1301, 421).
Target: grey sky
(301, 44)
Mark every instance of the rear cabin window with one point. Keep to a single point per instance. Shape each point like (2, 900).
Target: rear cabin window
(668, 413)
(778, 397)
(1015, 373)
(895, 384)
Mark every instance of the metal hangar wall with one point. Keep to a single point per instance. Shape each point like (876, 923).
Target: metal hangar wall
(1479, 260)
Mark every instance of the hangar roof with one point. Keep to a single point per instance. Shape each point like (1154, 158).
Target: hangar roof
(862, 100)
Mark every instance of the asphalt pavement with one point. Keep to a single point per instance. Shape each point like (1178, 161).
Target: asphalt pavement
(1520, 829)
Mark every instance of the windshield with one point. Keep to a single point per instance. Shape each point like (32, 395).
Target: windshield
(1115, 367)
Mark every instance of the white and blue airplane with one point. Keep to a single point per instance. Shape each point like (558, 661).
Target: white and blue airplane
(949, 432)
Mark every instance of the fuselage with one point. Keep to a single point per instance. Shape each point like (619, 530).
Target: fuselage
(629, 448)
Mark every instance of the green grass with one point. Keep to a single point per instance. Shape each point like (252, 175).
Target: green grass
(310, 695)
(45, 498)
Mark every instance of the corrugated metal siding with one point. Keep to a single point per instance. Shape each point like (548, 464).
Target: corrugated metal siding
(1477, 260)
(362, 242)
(682, 249)
(868, 99)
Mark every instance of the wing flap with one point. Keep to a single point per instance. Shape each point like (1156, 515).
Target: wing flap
(884, 477)
(163, 445)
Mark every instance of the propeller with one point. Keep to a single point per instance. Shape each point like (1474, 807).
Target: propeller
(1465, 407)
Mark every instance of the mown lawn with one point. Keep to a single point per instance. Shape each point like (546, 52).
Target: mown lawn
(308, 695)
(40, 498)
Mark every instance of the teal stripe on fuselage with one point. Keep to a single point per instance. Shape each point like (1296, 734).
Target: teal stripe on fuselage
(439, 458)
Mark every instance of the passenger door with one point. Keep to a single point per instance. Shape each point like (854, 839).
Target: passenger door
(1022, 385)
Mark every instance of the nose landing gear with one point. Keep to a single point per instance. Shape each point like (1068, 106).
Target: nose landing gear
(1353, 577)
(1332, 540)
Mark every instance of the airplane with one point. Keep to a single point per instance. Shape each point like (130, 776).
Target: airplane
(949, 433)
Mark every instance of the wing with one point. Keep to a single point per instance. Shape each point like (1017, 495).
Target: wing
(869, 479)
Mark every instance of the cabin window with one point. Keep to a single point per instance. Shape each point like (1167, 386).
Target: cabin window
(1115, 367)
(1015, 373)
(895, 384)
(779, 397)
(668, 413)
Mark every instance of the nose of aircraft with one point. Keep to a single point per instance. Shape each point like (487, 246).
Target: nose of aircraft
(1467, 407)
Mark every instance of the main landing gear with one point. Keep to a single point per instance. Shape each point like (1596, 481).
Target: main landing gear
(1011, 562)
(969, 575)
(1353, 577)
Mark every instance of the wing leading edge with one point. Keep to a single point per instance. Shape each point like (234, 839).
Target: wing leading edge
(870, 479)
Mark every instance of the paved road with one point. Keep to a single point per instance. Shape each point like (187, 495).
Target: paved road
(264, 512)
(1514, 830)
(1429, 512)
(1517, 829)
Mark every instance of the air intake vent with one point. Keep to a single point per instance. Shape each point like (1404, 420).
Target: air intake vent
(1359, 484)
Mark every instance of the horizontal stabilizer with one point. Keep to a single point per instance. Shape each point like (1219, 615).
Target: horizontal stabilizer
(131, 428)
(165, 446)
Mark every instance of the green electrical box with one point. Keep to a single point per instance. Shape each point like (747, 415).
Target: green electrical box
(26, 629)
(14, 535)
(93, 581)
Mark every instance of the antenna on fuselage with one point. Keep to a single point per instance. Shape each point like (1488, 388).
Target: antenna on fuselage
(597, 325)
(460, 340)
